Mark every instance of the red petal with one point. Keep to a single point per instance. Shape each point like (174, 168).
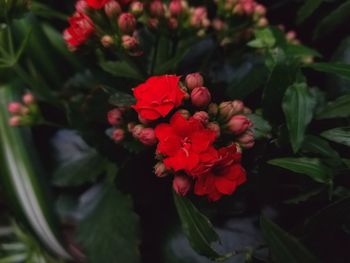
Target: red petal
(224, 185)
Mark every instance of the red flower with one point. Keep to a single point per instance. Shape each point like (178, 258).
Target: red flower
(81, 28)
(185, 143)
(158, 96)
(97, 4)
(224, 176)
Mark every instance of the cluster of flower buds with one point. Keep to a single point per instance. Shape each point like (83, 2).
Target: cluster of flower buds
(246, 11)
(24, 113)
(177, 15)
(197, 141)
(111, 22)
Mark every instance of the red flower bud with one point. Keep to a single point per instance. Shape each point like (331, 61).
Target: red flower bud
(136, 131)
(118, 135)
(28, 98)
(260, 10)
(153, 23)
(215, 128)
(194, 80)
(127, 23)
(229, 108)
(246, 140)
(115, 117)
(248, 8)
(182, 184)
(96, 4)
(14, 107)
(131, 126)
(136, 8)
(107, 41)
(173, 23)
(218, 24)
(202, 116)
(147, 137)
(112, 9)
(239, 124)
(15, 121)
(291, 35)
(156, 8)
(160, 169)
(129, 43)
(81, 6)
(200, 97)
(175, 7)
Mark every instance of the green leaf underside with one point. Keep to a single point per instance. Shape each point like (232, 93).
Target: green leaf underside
(298, 105)
(311, 167)
(121, 99)
(110, 233)
(261, 127)
(284, 247)
(340, 135)
(340, 108)
(319, 146)
(197, 228)
(121, 69)
(340, 69)
(307, 9)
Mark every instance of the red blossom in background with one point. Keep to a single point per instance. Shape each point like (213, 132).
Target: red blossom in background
(224, 176)
(80, 30)
(158, 96)
(96, 4)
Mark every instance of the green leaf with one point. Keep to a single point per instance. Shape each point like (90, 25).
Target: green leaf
(284, 247)
(197, 228)
(298, 106)
(319, 146)
(110, 233)
(82, 170)
(340, 108)
(264, 38)
(301, 51)
(261, 127)
(340, 135)
(340, 69)
(307, 9)
(121, 69)
(311, 167)
(304, 196)
(333, 20)
(121, 99)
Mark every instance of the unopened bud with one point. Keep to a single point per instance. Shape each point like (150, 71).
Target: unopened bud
(127, 23)
(156, 8)
(112, 9)
(200, 97)
(28, 98)
(194, 80)
(118, 135)
(107, 41)
(136, 8)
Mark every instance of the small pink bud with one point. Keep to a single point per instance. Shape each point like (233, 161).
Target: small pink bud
(248, 8)
(194, 80)
(260, 10)
(153, 23)
(160, 169)
(136, 8)
(229, 108)
(199, 17)
(28, 98)
(107, 41)
(173, 23)
(185, 113)
(118, 135)
(115, 117)
(136, 131)
(15, 121)
(14, 107)
(131, 126)
(156, 8)
(200, 97)
(213, 109)
(112, 9)
(291, 35)
(81, 6)
(238, 9)
(202, 116)
(263, 22)
(147, 137)
(218, 24)
(246, 140)
(215, 128)
(175, 7)
(181, 184)
(239, 124)
(129, 43)
(127, 23)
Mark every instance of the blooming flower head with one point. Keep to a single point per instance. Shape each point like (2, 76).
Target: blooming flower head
(80, 30)
(158, 96)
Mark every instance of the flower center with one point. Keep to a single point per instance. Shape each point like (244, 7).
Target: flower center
(186, 145)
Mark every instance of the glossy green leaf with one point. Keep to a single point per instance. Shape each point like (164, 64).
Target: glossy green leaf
(261, 127)
(304, 196)
(23, 176)
(309, 7)
(121, 69)
(82, 170)
(340, 108)
(110, 233)
(340, 135)
(336, 18)
(311, 167)
(298, 106)
(121, 99)
(340, 69)
(264, 38)
(197, 228)
(301, 51)
(319, 147)
(284, 247)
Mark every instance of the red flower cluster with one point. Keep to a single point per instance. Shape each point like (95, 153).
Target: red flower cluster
(187, 145)
(96, 4)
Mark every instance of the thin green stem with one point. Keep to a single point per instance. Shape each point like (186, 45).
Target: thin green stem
(154, 58)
